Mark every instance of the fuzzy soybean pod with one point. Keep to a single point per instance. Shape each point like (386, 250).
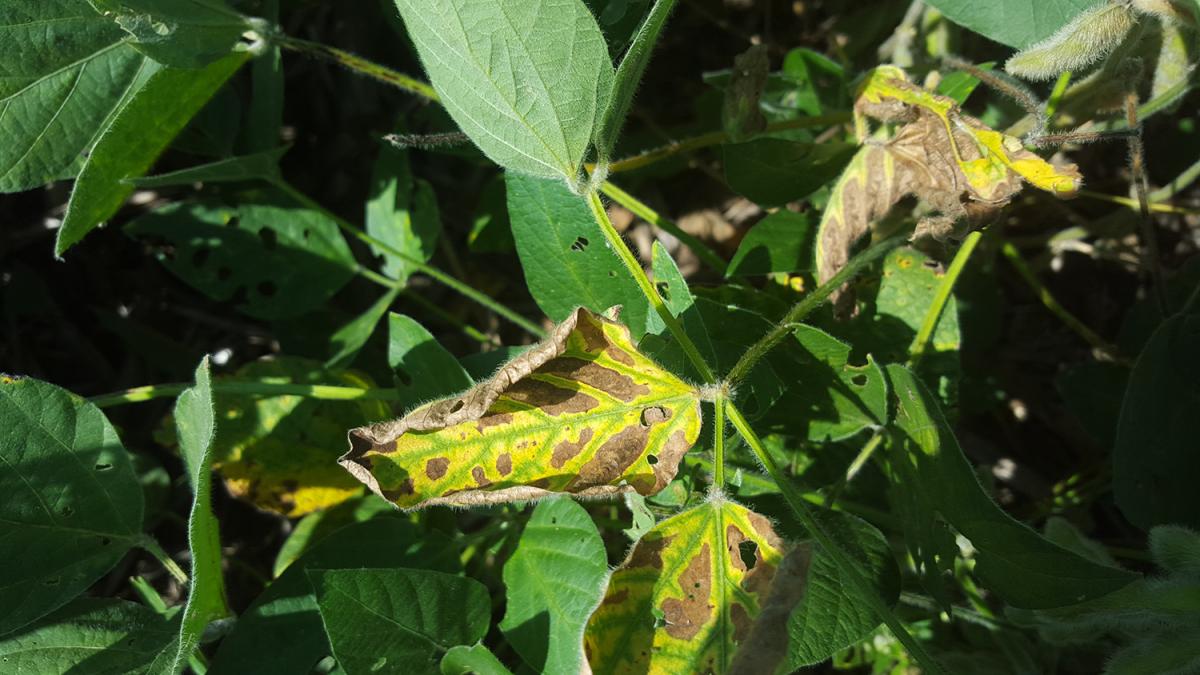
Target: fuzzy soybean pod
(1089, 37)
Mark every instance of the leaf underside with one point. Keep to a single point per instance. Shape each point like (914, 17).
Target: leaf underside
(582, 413)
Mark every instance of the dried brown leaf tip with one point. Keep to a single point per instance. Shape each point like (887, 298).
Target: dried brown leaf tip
(582, 413)
(963, 170)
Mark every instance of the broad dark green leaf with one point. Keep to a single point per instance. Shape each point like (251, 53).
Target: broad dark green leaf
(65, 71)
(272, 258)
(781, 242)
(818, 83)
(477, 659)
(555, 579)
(281, 632)
(829, 617)
(773, 171)
(180, 33)
(1155, 462)
(127, 148)
(71, 503)
(1176, 549)
(196, 424)
(566, 261)
(348, 340)
(1016, 24)
(402, 212)
(422, 367)
(258, 166)
(527, 80)
(96, 636)
(1021, 566)
(401, 620)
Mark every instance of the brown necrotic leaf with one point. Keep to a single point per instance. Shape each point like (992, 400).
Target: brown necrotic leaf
(581, 413)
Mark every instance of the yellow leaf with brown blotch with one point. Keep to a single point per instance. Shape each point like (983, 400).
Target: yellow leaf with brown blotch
(688, 594)
(582, 413)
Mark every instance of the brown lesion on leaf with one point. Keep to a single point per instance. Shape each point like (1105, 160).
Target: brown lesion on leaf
(654, 414)
(648, 552)
(615, 384)
(741, 622)
(493, 419)
(550, 399)
(436, 467)
(616, 598)
(566, 450)
(765, 645)
(405, 489)
(685, 616)
(612, 458)
(480, 476)
(504, 464)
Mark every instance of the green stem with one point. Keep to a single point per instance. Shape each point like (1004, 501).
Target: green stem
(855, 466)
(151, 546)
(850, 567)
(318, 391)
(639, 276)
(417, 264)
(641, 210)
(921, 343)
(1056, 94)
(810, 302)
(387, 282)
(359, 65)
(719, 441)
(1050, 303)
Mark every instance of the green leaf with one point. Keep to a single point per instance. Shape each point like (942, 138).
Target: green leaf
(818, 82)
(281, 631)
(350, 338)
(180, 33)
(582, 413)
(72, 505)
(828, 617)
(401, 212)
(1168, 653)
(1154, 457)
(65, 71)
(773, 171)
(422, 367)
(477, 659)
(641, 517)
(196, 425)
(315, 527)
(555, 579)
(1016, 24)
(398, 619)
(273, 258)
(127, 148)
(564, 256)
(1092, 391)
(97, 636)
(629, 75)
(1021, 566)
(1176, 549)
(529, 89)
(280, 452)
(262, 166)
(781, 242)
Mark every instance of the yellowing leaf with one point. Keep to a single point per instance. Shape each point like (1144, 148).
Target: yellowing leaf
(581, 413)
(687, 595)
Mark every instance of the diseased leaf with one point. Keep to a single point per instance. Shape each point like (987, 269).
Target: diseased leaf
(65, 71)
(281, 631)
(98, 636)
(554, 580)
(280, 452)
(127, 148)
(1021, 566)
(527, 80)
(1016, 24)
(271, 257)
(71, 503)
(1154, 456)
(180, 33)
(564, 256)
(774, 171)
(398, 620)
(582, 413)
(687, 595)
(402, 212)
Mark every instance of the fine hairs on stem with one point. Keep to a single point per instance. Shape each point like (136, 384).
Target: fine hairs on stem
(1141, 185)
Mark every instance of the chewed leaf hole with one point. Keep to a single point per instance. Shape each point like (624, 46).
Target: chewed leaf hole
(748, 552)
(652, 459)
(580, 244)
(859, 380)
(458, 405)
(199, 257)
(269, 238)
(664, 290)
(102, 467)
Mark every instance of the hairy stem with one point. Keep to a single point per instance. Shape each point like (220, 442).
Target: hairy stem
(810, 302)
(641, 210)
(921, 343)
(719, 441)
(639, 276)
(1137, 164)
(358, 64)
(321, 391)
(845, 562)
(420, 265)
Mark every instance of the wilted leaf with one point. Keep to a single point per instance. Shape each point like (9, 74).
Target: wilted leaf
(280, 452)
(71, 505)
(554, 580)
(687, 595)
(582, 413)
(65, 71)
